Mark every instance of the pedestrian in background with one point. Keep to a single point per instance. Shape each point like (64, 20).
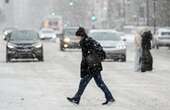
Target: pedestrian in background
(89, 69)
(147, 60)
(138, 50)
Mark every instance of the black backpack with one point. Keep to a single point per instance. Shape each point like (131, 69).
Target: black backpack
(99, 51)
(97, 54)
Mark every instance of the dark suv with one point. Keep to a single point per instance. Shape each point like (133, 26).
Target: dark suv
(24, 44)
(69, 40)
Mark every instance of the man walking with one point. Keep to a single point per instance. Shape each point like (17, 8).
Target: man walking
(88, 45)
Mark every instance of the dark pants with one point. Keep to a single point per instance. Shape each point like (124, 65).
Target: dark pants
(100, 83)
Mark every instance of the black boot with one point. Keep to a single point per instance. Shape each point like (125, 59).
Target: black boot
(73, 100)
(110, 101)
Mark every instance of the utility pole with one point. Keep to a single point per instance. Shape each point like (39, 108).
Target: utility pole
(147, 12)
(124, 11)
(154, 12)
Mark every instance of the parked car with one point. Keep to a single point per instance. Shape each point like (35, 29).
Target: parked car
(112, 43)
(69, 40)
(47, 34)
(162, 38)
(6, 32)
(129, 29)
(24, 44)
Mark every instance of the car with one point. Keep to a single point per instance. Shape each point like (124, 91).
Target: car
(162, 38)
(129, 29)
(24, 44)
(6, 32)
(69, 40)
(112, 43)
(47, 34)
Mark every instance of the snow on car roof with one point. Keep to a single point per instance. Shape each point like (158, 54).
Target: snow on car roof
(164, 29)
(103, 30)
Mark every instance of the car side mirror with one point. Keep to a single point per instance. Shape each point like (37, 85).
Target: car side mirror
(124, 39)
(7, 37)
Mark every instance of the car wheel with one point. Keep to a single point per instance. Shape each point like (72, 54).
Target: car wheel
(124, 58)
(62, 47)
(41, 57)
(7, 56)
(115, 60)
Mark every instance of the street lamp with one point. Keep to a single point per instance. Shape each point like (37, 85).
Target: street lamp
(125, 4)
(124, 12)
(93, 19)
(147, 12)
(71, 3)
(154, 16)
(53, 13)
(105, 8)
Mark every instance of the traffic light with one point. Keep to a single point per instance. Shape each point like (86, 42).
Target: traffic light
(7, 1)
(71, 3)
(93, 18)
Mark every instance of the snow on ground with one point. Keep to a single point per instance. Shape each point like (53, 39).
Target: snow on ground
(45, 85)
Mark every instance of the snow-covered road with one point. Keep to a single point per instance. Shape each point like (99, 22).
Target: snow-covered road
(45, 85)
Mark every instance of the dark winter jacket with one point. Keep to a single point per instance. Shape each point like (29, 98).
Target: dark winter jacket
(146, 40)
(147, 60)
(88, 45)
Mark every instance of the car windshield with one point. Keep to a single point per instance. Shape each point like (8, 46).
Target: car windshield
(165, 33)
(47, 31)
(70, 32)
(24, 36)
(103, 36)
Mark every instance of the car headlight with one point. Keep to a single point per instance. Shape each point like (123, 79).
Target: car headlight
(67, 40)
(10, 45)
(37, 45)
(121, 46)
(54, 36)
(3, 36)
(41, 36)
(6, 33)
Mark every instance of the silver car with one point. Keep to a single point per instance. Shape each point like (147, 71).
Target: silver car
(162, 37)
(47, 34)
(112, 43)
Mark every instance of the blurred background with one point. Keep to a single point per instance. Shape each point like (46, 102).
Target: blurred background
(89, 13)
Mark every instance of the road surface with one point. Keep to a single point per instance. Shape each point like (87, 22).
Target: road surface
(27, 85)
